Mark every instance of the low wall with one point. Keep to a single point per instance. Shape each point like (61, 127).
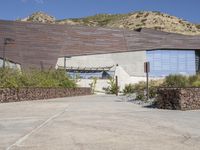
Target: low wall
(25, 94)
(178, 98)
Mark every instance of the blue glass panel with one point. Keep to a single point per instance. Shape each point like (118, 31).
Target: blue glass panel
(89, 75)
(165, 62)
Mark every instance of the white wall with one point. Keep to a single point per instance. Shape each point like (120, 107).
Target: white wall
(99, 86)
(123, 79)
(130, 69)
(10, 64)
(131, 62)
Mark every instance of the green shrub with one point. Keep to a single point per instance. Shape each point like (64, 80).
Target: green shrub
(93, 84)
(153, 85)
(129, 88)
(112, 88)
(176, 81)
(140, 89)
(11, 78)
(170, 81)
(182, 81)
(194, 80)
(102, 19)
(196, 84)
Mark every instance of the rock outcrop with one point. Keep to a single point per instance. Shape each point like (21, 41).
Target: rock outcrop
(39, 17)
(143, 19)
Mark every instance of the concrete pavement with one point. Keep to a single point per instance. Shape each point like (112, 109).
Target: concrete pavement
(95, 123)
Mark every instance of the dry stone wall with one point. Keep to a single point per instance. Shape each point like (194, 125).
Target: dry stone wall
(178, 98)
(26, 94)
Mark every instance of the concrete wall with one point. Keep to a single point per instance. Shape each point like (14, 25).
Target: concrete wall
(130, 67)
(123, 79)
(131, 62)
(101, 83)
(10, 64)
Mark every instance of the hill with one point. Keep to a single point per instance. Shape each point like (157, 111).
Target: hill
(143, 19)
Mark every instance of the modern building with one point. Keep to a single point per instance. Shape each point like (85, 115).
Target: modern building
(130, 67)
(90, 52)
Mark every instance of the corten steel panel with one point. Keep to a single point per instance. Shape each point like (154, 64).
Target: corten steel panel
(149, 39)
(36, 43)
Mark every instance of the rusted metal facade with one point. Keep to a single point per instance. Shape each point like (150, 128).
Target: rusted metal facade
(37, 44)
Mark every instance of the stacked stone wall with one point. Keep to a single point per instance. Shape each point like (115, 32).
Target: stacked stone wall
(178, 98)
(26, 94)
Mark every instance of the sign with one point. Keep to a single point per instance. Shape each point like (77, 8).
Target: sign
(147, 67)
(147, 70)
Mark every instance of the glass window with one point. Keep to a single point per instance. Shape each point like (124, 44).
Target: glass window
(165, 62)
(90, 74)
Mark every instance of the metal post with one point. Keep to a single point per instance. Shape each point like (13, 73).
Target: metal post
(147, 85)
(116, 80)
(147, 70)
(65, 64)
(4, 59)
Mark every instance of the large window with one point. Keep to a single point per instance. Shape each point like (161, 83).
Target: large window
(197, 61)
(82, 74)
(165, 62)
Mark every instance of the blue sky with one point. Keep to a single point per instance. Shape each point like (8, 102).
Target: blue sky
(13, 9)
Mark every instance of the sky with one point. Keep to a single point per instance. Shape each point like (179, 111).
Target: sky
(61, 9)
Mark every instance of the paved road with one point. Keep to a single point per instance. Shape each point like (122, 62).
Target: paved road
(95, 123)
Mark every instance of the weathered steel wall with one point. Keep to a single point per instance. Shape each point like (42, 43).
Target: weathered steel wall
(36, 43)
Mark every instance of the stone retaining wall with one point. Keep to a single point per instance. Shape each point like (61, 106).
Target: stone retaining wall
(25, 94)
(178, 98)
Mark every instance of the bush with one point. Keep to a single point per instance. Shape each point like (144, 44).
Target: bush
(170, 81)
(112, 88)
(11, 78)
(129, 88)
(182, 81)
(194, 80)
(140, 89)
(176, 81)
(153, 85)
(93, 84)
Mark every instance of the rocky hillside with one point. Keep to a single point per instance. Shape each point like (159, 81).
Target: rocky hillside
(39, 17)
(142, 19)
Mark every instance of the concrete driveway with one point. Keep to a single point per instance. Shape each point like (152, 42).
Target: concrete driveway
(95, 123)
